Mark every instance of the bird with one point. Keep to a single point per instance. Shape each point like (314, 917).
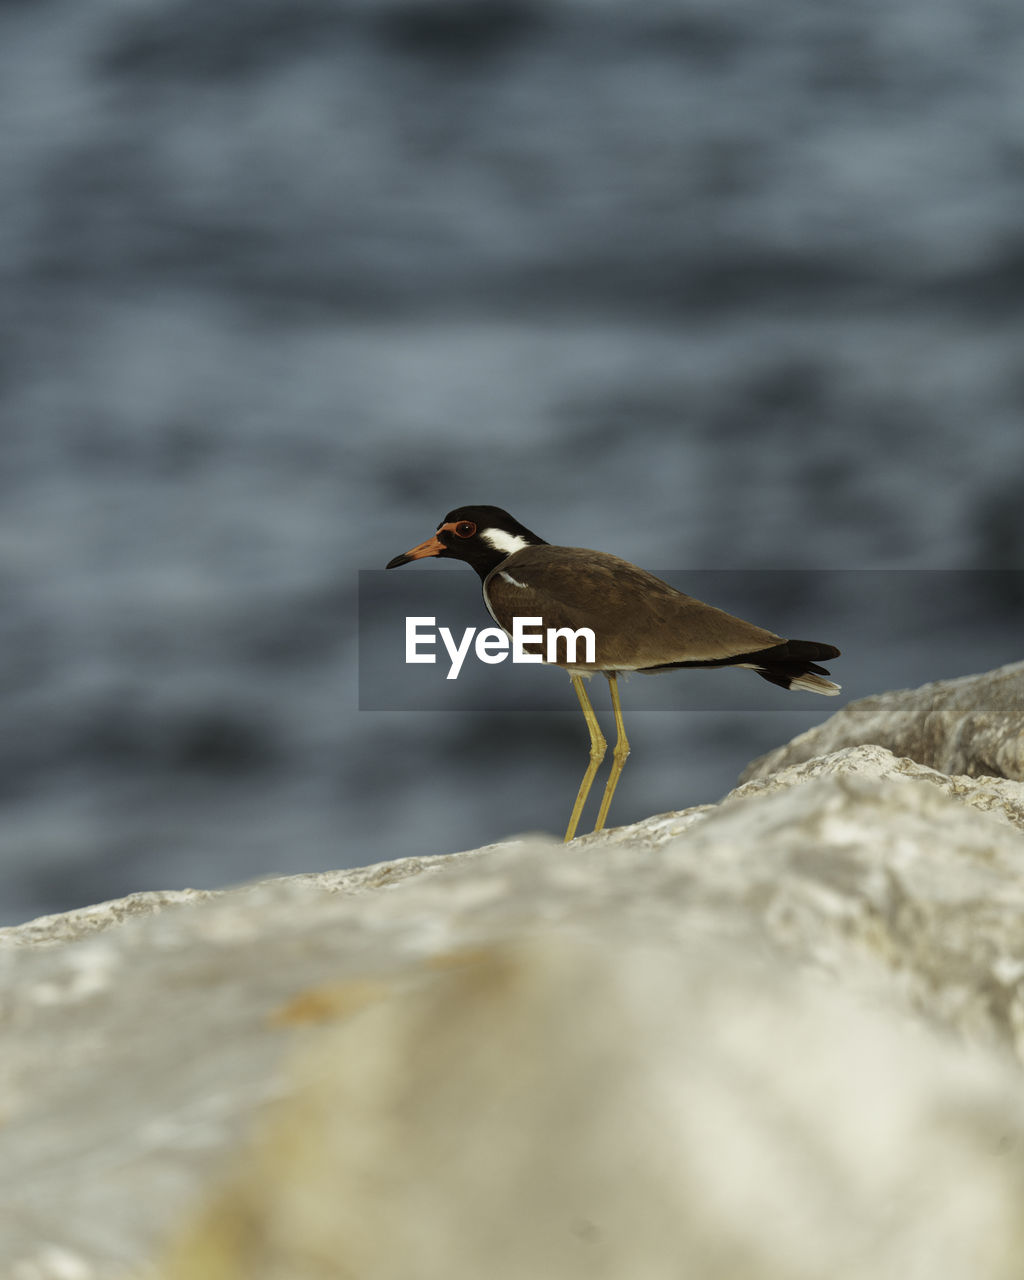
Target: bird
(640, 623)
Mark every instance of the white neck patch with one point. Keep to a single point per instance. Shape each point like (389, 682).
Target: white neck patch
(502, 541)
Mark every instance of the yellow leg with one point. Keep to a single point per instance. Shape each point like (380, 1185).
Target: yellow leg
(619, 754)
(597, 750)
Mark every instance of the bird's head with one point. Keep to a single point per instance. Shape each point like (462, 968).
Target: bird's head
(482, 536)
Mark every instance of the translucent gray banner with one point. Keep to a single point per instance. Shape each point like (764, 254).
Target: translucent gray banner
(896, 628)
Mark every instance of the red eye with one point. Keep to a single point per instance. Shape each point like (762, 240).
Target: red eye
(465, 529)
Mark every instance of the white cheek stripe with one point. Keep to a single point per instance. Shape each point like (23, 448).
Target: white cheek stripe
(502, 541)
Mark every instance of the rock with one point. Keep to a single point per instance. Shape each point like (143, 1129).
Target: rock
(1000, 797)
(577, 1110)
(73, 926)
(775, 1037)
(973, 726)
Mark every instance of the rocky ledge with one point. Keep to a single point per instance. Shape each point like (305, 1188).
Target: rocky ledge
(776, 1037)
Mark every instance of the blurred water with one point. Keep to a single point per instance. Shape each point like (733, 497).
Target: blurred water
(711, 287)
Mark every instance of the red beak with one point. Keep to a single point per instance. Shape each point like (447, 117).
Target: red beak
(432, 547)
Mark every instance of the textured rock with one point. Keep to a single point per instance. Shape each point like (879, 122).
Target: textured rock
(974, 726)
(73, 926)
(772, 1037)
(1000, 797)
(600, 1112)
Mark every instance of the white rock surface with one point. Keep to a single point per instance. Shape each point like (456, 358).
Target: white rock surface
(973, 725)
(604, 1109)
(776, 1037)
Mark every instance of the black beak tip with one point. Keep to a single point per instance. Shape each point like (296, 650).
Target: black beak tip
(393, 564)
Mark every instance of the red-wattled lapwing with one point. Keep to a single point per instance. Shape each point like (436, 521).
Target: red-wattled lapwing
(639, 622)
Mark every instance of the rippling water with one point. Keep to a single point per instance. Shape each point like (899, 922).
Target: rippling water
(711, 287)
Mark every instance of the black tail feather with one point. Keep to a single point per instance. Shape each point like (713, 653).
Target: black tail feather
(786, 664)
(784, 673)
(799, 649)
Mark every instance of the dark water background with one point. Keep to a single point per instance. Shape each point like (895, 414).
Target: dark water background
(709, 286)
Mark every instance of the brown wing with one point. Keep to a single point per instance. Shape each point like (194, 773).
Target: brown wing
(637, 619)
